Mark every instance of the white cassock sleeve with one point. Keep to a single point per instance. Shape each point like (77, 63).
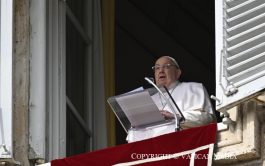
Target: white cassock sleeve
(193, 101)
(201, 113)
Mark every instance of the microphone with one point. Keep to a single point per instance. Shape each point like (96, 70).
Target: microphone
(177, 128)
(182, 118)
(151, 79)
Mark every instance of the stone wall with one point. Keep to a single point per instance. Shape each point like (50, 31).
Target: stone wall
(21, 81)
(243, 141)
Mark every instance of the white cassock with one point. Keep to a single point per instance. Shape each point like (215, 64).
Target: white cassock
(192, 100)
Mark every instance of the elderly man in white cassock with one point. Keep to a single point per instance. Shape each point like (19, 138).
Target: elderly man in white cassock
(191, 98)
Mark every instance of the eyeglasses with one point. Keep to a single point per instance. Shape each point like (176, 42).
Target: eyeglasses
(166, 66)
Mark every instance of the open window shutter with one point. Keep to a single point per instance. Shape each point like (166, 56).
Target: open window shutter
(6, 10)
(240, 50)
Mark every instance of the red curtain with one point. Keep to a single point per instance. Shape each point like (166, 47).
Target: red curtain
(169, 149)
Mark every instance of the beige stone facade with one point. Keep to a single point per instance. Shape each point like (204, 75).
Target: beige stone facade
(243, 141)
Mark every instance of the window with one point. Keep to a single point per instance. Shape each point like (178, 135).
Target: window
(75, 85)
(78, 71)
(240, 51)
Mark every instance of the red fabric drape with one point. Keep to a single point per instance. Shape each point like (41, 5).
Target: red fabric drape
(164, 145)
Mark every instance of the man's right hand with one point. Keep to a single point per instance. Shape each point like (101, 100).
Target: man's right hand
(167, 115)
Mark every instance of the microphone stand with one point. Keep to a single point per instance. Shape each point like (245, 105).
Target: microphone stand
(182, 118)
(177, 123)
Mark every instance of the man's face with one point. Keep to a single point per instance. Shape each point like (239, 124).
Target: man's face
(166, 72)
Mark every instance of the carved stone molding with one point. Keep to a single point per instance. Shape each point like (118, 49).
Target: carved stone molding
(234, 133)
(241, 141)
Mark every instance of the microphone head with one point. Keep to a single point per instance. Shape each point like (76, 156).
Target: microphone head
(150, 79)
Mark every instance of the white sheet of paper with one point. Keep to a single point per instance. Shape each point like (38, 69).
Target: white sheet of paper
(136, 90)
(140, 109)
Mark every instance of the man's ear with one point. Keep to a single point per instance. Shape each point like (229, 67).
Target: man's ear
(178, 73)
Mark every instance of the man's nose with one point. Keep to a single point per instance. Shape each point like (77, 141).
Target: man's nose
(162, 70)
